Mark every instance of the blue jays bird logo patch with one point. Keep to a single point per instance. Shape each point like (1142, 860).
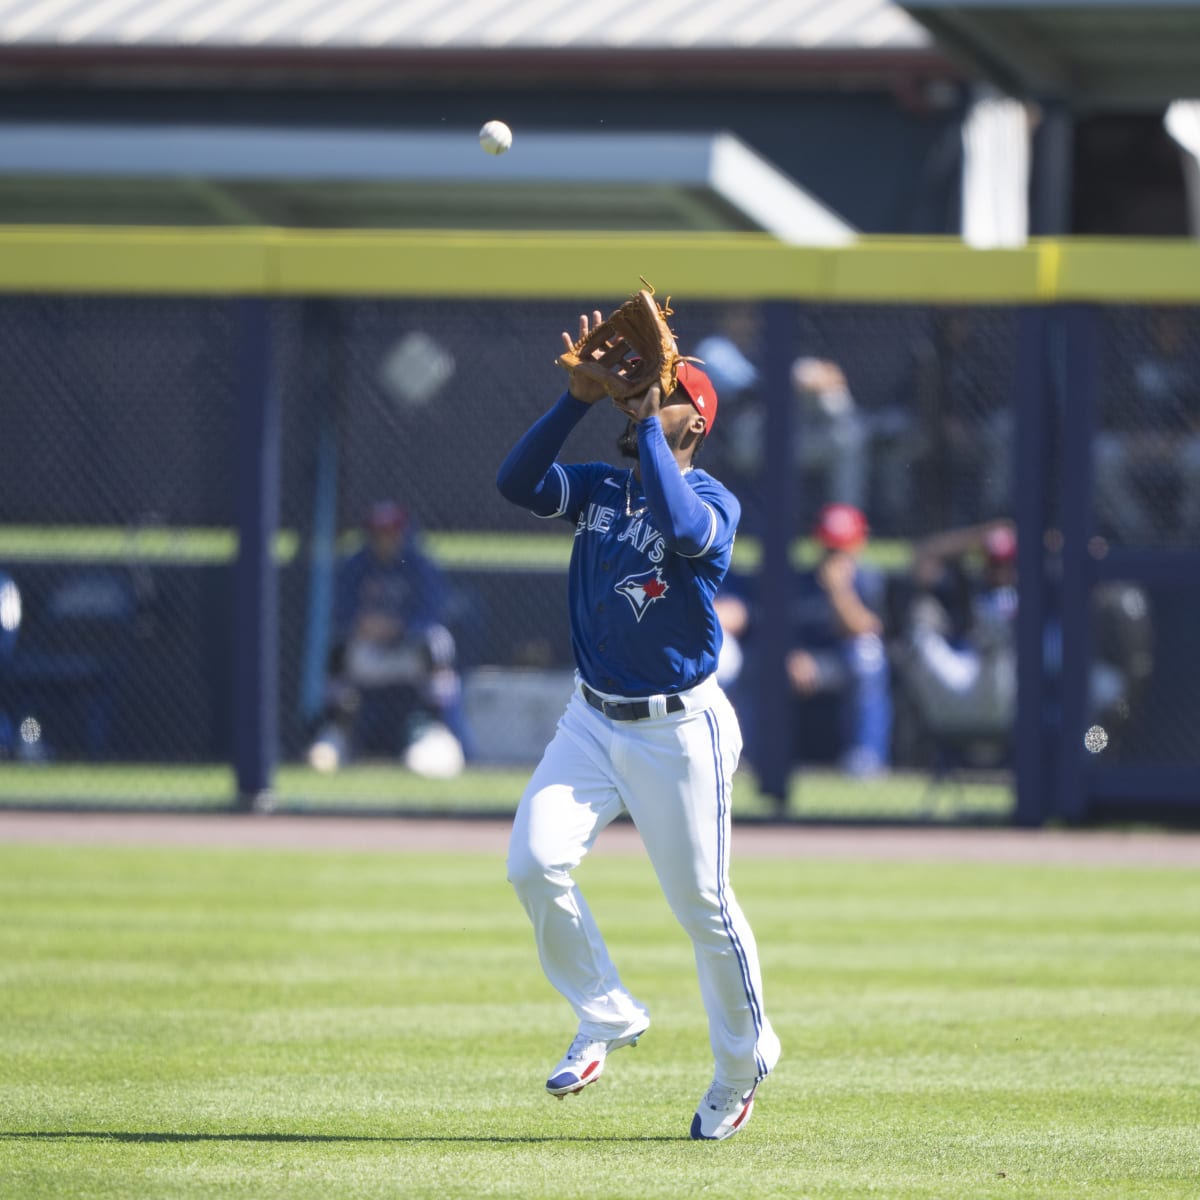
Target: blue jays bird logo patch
(642, 590)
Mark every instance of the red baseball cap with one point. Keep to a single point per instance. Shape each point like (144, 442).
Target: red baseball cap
(699, 390)
(841, 527)
(386, 516)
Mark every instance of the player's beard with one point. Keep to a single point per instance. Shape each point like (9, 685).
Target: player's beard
(627, 443)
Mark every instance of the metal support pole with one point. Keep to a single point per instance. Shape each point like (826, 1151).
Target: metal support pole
(1080, 348)
(1050, 184)
(775, 731)
(255, 702)
(321, 352)
(1031, 445)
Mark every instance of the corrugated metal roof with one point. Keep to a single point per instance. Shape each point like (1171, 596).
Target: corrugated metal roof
(816, 25)
(1095, 53)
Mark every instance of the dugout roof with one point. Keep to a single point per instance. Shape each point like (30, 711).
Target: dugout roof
(1094, 54)
(360, 48)
(417, 179)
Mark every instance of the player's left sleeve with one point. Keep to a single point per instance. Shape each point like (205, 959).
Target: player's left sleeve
(695, 522)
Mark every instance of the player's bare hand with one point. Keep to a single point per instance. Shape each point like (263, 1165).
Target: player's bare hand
(836, 573)
(582, 388)
(648, 404)
(585, 327)
(803, 673)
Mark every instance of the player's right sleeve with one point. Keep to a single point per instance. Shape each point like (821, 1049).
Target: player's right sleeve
(529, 476)
(695, 521)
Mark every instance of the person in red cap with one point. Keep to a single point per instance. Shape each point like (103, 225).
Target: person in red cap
(841, 527)
(837, 641)
(392, 687)
(837, 663)
(647, 731)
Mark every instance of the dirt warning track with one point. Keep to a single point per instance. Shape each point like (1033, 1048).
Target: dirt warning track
(489, 836)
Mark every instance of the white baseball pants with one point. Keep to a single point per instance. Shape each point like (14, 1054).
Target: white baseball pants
(673, 775)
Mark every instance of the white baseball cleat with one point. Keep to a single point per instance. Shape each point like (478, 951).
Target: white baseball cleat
(722, 1112)
(584, 1060)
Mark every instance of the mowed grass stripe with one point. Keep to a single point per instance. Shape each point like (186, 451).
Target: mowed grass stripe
(192, 1023)
(384, 787)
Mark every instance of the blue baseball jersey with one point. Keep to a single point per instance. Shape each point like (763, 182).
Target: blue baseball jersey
(814, 623)
(647, 559)
(410, 589)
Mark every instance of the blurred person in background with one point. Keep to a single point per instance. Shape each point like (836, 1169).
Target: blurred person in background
(730, 353)
(857, 451)
(836, 652)
(393, 687)
(960, 394)
(956, 656)
(832, 436)
(1147, 456)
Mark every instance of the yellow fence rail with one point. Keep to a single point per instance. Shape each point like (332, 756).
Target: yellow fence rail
(440, 264)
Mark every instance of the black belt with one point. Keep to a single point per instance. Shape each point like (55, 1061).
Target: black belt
(627, 710)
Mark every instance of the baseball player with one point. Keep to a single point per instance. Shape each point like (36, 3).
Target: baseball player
(392, 676)
(647, 731)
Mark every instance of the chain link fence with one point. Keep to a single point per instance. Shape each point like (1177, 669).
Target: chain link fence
(1146, 498)
(117, 440)
(1146, 459)
(117, 489)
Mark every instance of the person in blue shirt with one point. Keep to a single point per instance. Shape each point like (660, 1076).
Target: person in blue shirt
(393, 686)
(837, 640)
(648, 730)
(837, 652)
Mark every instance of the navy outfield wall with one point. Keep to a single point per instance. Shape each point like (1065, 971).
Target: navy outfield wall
(156, 413)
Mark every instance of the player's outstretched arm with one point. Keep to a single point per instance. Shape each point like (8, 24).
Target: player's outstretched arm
(528, 476)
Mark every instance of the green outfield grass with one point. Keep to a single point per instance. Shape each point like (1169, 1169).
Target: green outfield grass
(383, 788)
(199, 1023)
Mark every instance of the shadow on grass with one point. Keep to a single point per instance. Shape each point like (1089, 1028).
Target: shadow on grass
(110, 1135)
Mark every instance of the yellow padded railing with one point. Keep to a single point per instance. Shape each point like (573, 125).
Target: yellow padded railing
(440, 264)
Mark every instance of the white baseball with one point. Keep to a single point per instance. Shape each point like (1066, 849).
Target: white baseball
(495, 137)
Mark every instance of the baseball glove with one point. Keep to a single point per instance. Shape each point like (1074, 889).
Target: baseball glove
(629, 351)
